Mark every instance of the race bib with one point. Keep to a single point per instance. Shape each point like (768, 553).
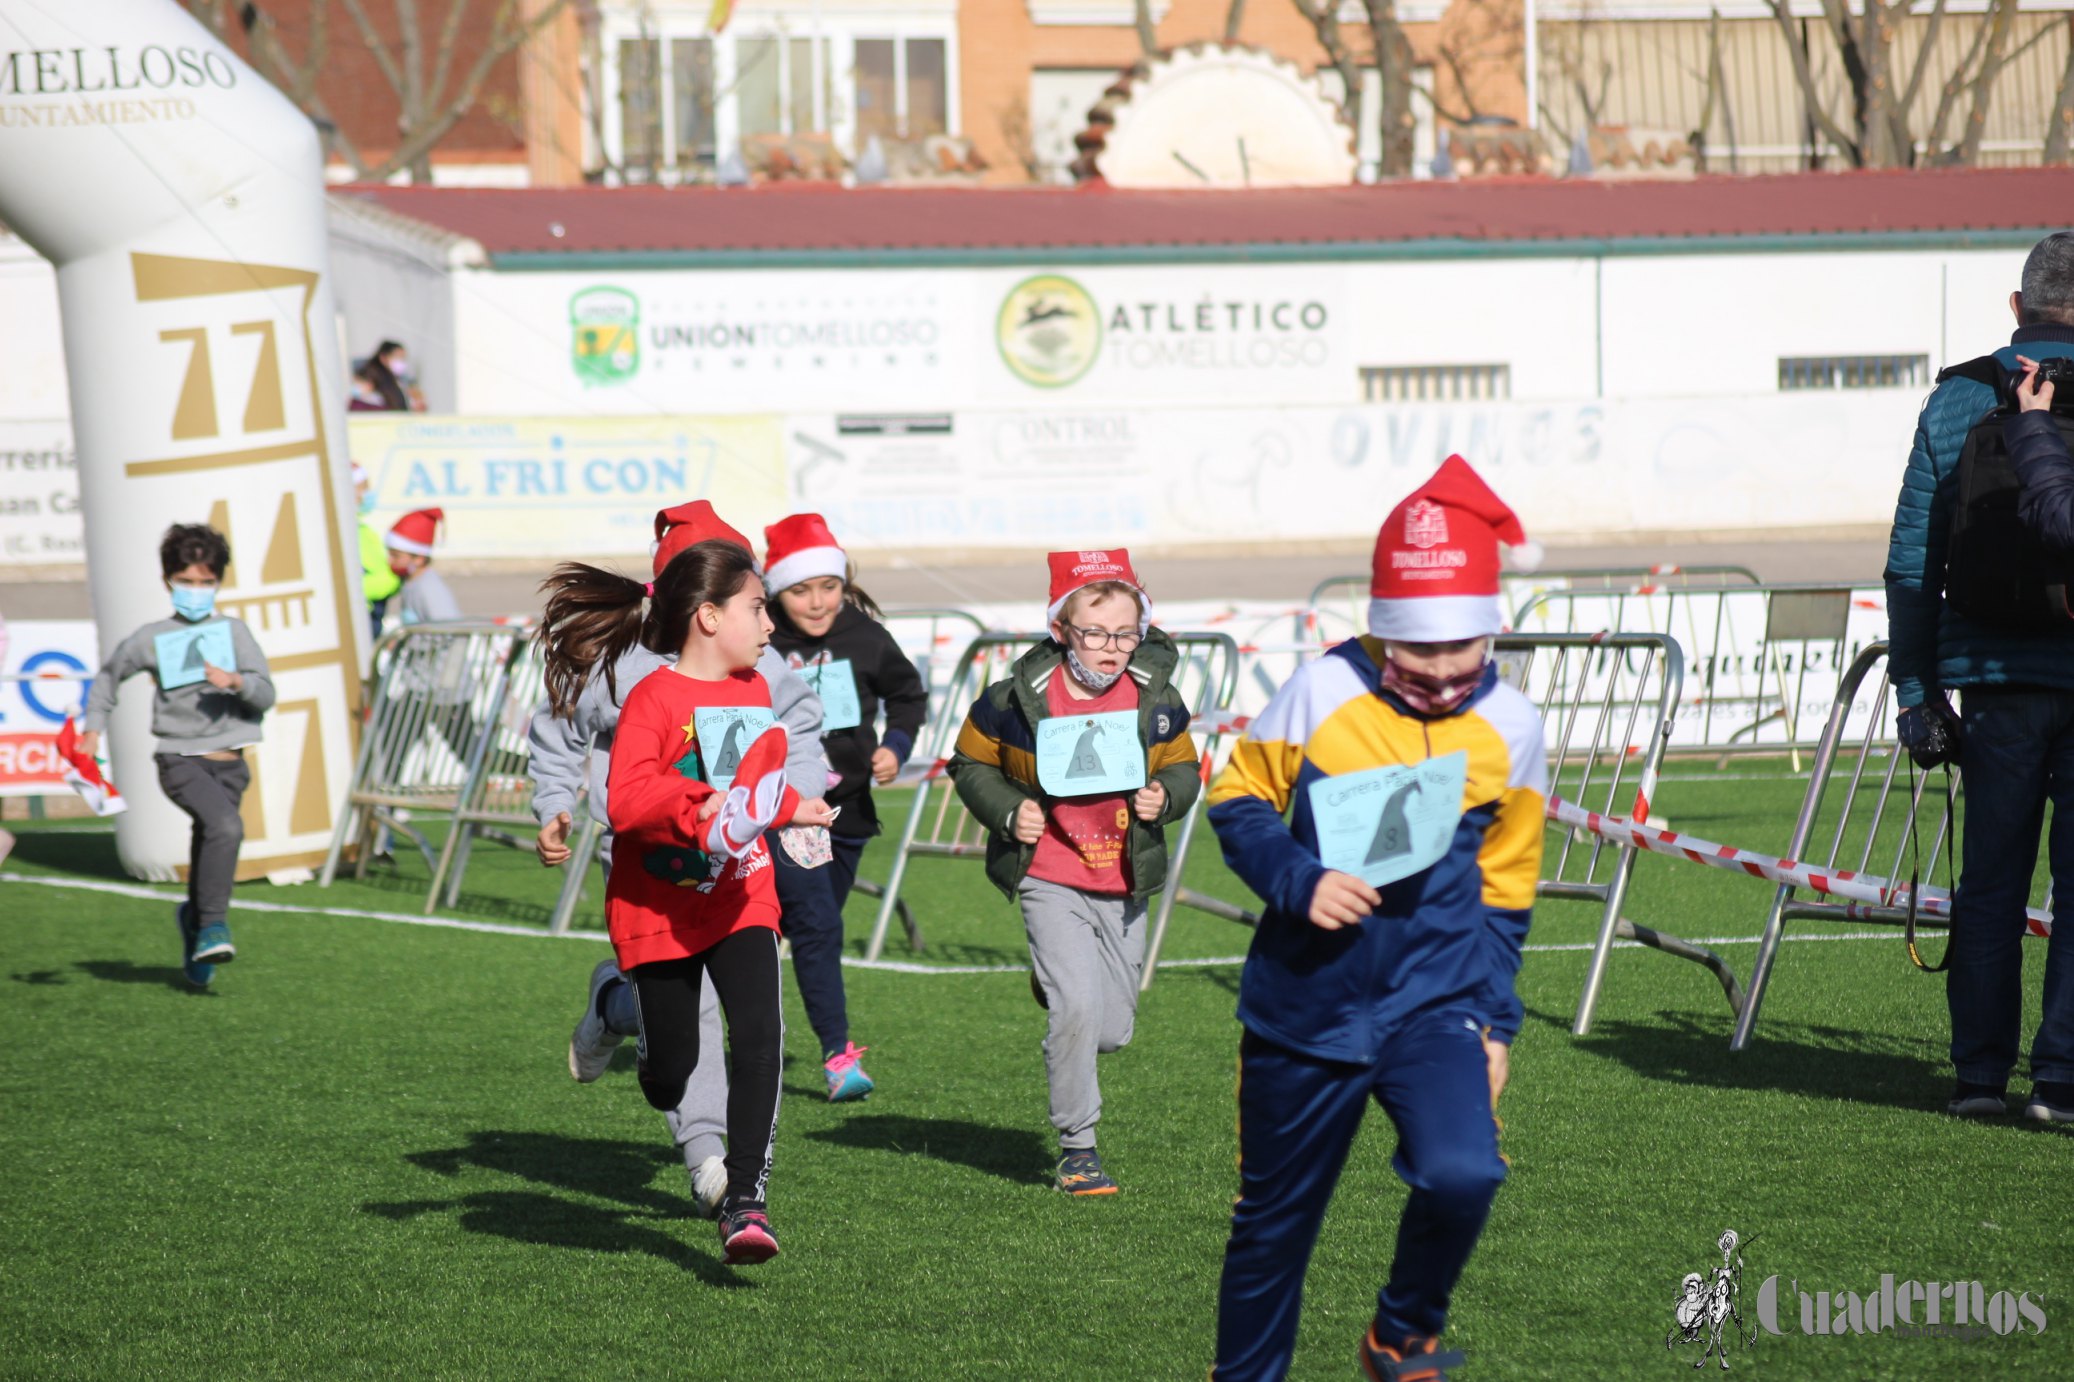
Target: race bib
(836, 684)
(725, 734)
(182, 653)
(1383, 824)
(1090, 755)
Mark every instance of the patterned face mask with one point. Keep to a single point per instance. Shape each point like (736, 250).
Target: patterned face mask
(1088, 676)
(1430, 695)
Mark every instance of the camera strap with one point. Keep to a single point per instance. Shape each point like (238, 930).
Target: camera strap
(1915, 876)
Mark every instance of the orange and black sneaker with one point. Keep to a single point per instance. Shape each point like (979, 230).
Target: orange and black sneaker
(1080, 1173)
(1415, 1360)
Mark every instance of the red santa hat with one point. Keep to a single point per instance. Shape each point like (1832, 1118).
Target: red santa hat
(415, 531)
(801, 547)
(685, 525)
(1436, 560)
(1071, 571)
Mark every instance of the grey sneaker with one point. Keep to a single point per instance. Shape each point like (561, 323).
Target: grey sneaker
(708, 1187)
(2052, 1101)
(592, 1043)
(1978, 1101)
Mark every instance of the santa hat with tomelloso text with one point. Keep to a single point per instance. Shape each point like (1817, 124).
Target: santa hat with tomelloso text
(415, 531)
(1071, 571)
(685, 525)
(1436, 560)
(800, 548)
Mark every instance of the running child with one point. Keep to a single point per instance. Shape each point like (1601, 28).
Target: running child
(696, 777)
(1075, 765)
(1398, 894)
(426, 597)
(829, 629)
(564, 748)
(212, 688)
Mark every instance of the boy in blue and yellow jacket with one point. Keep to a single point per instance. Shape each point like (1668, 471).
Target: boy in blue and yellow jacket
(1388, 808)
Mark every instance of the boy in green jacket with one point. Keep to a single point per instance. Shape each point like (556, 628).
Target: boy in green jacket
(1075, 764)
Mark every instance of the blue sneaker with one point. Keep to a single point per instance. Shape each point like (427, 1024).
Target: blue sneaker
(198, 973)
(1080, 1173)
(846, 1078)
(212, 944)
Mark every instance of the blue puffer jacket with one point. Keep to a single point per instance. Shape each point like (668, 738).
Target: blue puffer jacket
(1933, 647)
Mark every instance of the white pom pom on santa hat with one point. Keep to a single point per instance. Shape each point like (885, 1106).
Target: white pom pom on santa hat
(1525, 557)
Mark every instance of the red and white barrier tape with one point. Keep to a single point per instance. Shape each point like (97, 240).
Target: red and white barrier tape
(1857, 887)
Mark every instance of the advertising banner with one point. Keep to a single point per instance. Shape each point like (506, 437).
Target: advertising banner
(60, 654)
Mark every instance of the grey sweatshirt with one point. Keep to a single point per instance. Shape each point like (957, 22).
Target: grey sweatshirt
(197, 717)
(427, 599)
(558, 744)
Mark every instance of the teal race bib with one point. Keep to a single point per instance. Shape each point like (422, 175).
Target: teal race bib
(836, 684)
(725, 734)
(1090, 755)
(1383, 824)
(182, 653)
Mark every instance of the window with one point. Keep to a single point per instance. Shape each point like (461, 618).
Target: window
(1798, 372)
(680, 100)
(1434, 383)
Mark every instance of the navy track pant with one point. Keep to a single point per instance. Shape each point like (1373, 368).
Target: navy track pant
(1297, 1120)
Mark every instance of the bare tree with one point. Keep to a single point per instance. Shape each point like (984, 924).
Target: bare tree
(1396, 64)
(421, 68)
(1323, 16)
(1234, 17)
(1878, 129)
(2059, 133)
(1148, 37)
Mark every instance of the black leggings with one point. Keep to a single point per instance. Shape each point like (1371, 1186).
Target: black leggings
(745, 976)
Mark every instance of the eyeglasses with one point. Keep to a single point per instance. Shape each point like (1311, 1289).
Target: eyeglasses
(1102, 638)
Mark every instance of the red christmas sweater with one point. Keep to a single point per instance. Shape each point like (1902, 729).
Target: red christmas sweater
(667, 898)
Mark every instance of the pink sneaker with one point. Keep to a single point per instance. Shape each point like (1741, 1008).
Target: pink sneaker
(746, 1237)
(846, 1078)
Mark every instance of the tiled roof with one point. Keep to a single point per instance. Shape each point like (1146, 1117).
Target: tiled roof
(790, 222)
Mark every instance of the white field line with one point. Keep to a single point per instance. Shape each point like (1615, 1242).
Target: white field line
(889, 966)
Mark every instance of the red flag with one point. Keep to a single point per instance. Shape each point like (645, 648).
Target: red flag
(83, 775)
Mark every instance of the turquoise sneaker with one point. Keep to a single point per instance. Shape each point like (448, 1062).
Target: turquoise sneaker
(198, 973)
(212, 943)
(847, 1081)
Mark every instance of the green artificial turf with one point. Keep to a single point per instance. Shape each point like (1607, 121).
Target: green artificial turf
(361, 1154)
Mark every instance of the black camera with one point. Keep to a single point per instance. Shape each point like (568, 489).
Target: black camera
(2057, 370)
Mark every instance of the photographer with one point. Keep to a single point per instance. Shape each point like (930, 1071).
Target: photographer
(2014, 663)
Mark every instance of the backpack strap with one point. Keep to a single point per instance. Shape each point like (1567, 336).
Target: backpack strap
(1984, 369)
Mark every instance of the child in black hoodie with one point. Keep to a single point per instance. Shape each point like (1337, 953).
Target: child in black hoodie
(829, 630)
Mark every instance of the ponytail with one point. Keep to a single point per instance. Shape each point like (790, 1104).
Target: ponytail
(594, 617)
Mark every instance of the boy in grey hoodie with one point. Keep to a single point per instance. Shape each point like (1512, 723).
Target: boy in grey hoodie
(206, 713)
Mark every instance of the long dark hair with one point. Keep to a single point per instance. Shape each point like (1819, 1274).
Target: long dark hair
(594, 616)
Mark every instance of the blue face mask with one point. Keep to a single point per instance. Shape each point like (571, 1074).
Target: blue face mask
(192, 603)
(367, 502)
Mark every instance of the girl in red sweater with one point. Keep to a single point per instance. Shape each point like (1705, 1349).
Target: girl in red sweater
(697, 775)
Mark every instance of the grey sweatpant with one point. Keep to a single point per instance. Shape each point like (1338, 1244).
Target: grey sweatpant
(699, 1122)
(209, 790)
(1087, 949)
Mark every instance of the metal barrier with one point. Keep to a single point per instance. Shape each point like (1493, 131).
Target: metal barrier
(1338, 606)
(434, 700)
(934, 638)
(1873, 824)
(1206, 677)
(499, 788)
(1762, 656)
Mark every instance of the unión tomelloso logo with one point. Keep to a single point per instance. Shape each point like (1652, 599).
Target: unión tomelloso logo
(604, 335)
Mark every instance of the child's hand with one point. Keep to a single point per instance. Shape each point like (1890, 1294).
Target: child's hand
(1498, 1062)
(813, 811)
(90, 743)
(1150, 800)
(709, 808)
(1029, 823)
(883, 766)
(1341, 899)
(2032, 396)
(552, 845)
(231, 681)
